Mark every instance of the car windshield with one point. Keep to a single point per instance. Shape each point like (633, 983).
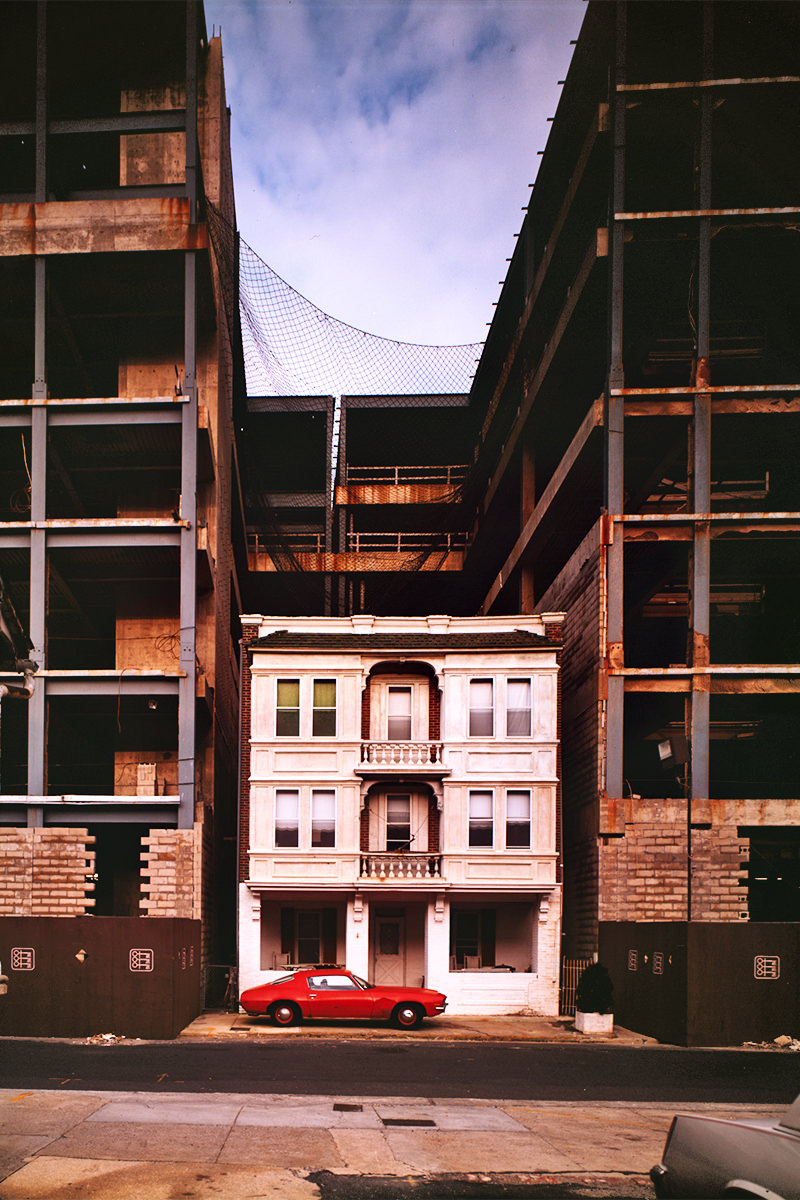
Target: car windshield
(363, 983)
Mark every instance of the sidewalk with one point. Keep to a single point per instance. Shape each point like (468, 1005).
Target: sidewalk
(218, 1024)
(127, 1146)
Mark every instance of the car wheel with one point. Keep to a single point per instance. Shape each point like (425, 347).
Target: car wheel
(407, 1016)
(283, 1012)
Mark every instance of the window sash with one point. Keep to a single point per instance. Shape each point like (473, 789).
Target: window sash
(323, 717)
(287, 818)
(323, 818)
(399, 714)
(518, 708)
(518, 819)
(481, 819)
(287, 708)
(481, 708)
(398, 822)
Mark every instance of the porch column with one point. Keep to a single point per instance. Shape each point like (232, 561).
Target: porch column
(250, 972)
(437, 944)
(356, 942)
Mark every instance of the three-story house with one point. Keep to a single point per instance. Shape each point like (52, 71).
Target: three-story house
(400, 804)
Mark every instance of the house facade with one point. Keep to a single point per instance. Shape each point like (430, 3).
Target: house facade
(400, 804)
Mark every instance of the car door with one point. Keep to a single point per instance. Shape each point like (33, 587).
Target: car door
(336, 994)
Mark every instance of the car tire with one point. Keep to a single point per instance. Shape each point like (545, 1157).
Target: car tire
(283, 1012)
(407, 1016)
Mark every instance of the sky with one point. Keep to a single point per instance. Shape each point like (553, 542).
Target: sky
(383, 149)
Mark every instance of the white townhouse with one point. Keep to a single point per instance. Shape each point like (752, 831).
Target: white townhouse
(400, 804)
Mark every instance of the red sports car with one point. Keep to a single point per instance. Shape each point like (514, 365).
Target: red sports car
(328, 992)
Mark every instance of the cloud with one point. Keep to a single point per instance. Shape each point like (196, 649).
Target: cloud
(382, 149)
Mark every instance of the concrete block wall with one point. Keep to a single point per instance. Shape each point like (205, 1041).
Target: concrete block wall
(719, 860)
(43, 872)
(644, 873)
(578, 593)
(172, 872)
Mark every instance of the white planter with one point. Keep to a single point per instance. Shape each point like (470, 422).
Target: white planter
(594, 1022)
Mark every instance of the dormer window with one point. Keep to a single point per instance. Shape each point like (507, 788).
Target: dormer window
(399, 718)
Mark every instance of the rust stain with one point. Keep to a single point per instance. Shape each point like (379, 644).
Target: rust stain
(615, 656)
(701, 654)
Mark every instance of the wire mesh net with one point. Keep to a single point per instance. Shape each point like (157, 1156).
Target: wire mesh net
(291, 347)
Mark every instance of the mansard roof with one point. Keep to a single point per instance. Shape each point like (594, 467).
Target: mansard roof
(401, 643)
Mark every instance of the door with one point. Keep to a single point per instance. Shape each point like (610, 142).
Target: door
(390, 951)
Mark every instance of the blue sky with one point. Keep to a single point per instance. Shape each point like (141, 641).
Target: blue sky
(382, 149)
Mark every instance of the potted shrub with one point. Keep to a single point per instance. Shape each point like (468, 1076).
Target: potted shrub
(594, 1001)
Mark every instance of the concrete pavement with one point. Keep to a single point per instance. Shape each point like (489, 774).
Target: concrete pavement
(135, 1145)
(517, 1028)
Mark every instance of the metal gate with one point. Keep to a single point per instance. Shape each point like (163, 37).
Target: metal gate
(571, 971)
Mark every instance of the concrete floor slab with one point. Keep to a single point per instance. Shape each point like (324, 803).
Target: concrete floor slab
(16, 1148)
(44, 1112)
(431, 1150)
(367, 1152)
(312, 1116)
(141, 1141)
(290, 1148)
(167, 1112)
(88, 1179)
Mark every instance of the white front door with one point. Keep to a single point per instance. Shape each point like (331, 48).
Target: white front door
(390, 951)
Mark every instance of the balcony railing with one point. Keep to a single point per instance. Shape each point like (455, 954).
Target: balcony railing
(401, 866)
(404, 543)
(401, 754)
(441, 474)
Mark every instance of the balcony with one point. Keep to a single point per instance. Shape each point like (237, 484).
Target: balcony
(406, 867)
(393, 758)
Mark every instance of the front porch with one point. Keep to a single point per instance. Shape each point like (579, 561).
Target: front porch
(490, 955)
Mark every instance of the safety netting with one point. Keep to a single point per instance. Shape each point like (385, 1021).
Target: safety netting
(291, 347)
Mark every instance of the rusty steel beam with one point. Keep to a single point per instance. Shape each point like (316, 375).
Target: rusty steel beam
(357, 562)
(720, 406)
(736, 81)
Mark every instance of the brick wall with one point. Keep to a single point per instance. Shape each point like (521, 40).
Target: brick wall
(644, 873)
(249, 634)
(434, 711)
(43, 872)
(578, 593)
(171, 872)
(365, 711)
(718, 862)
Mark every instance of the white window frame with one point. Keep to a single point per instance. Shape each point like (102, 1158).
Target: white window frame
(286, 794)
(472, 708)
(529, 709)
(480, 820)
(323, 822)
(519, 792)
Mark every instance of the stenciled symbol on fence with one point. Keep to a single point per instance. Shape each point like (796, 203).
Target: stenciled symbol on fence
(633, 960)
(23, 958)
(658, 962)
(141, 960)
(767, 966)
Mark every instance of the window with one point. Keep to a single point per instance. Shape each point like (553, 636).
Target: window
(518, 708)
(481, 831)
(308, 937)
(287, 715)
(287, 823)
(323, 818)
(399, 723)
(398, 822)
(323, 723)
(518, 819)
(472, 937)
(481, 708)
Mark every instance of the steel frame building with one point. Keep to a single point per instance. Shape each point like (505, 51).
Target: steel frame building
(117, 372)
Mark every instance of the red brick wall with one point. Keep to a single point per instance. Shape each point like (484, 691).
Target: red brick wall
(249, 634)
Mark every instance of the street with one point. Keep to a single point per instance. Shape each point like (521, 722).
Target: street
(473, 1070)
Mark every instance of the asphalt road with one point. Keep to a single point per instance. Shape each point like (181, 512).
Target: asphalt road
(474, 1070)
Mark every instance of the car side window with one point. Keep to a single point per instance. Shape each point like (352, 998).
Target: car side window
(331, 982)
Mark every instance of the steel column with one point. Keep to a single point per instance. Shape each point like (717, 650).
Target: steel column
(614, 482)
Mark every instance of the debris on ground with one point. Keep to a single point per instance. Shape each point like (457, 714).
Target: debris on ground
(104, 1039)
(783, 1042)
